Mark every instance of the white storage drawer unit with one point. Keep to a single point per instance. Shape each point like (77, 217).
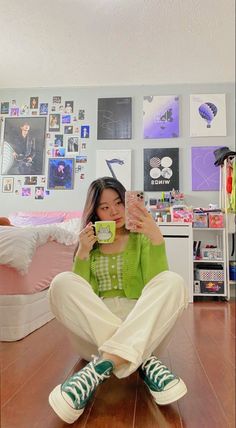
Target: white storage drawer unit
(179, 248)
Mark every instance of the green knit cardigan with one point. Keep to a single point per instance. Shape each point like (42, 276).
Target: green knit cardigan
(141, 262)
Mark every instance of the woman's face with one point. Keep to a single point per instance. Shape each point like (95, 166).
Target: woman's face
(111, 208)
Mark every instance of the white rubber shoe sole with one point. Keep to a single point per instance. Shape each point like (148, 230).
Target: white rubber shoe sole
(62, 408)
(169, 395)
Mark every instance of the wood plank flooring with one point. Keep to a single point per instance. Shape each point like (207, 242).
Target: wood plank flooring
(202, 352)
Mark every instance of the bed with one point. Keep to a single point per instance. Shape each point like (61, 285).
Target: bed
(32, 252)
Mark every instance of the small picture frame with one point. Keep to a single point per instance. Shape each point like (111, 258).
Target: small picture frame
(54, 122)
(61, 173)
(7, 184)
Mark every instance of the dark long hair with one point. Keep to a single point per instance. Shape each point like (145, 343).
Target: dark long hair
(93, 199)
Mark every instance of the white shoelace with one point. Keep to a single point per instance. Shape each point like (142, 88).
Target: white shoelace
(159, 370)
(80, 382)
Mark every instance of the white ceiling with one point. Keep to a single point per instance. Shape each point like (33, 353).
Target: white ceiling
(115, 42)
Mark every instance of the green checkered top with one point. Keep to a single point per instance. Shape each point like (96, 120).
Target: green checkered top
(108, 268)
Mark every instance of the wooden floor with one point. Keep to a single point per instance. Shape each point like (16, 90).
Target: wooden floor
(202, 352)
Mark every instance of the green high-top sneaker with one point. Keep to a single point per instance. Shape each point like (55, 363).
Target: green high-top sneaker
(164, 386)
(69, 399)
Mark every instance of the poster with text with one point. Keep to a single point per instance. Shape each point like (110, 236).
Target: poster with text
(205, 175)
(114, 163)
(114, 119)
(207, 115)
(161, 116)
(161, 169)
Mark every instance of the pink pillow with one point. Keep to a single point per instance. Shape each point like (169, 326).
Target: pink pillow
(72, 214)
(35, 218)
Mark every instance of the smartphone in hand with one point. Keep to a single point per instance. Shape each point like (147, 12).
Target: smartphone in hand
(132, 196)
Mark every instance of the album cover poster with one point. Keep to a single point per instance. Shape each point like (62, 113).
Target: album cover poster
(161, 169)
(161, 116)
(116, 164)
(207, 115)
(205, 175)
(114, 119)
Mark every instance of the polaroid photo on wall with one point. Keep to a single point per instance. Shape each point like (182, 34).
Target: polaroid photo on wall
(34, 103)
(54, 122)
(69, 107)
(56, 99)
(85, 131)
(5, 108)
(7, 184)
(43, 109)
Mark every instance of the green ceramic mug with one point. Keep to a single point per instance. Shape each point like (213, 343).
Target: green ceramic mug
(105, 231)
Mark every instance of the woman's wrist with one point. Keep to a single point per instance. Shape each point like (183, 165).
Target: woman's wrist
(82, 255)
(156, 237)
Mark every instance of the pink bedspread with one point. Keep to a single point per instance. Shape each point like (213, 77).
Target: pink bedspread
(48, 260)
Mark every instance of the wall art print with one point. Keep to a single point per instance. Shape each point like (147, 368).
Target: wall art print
(205, 175)
(34, 102)
(54, 122)
(23, 146)
(161, 169)
(5, 108)
(114, 119)
(7, 184)
(207, 115)
(161, 116)
(61, 173)
(114, 163)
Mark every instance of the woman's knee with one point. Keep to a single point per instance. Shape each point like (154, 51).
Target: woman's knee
(59, 284)
(178, 286)
(171, 282)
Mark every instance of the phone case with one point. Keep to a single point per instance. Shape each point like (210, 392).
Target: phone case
(130, 197)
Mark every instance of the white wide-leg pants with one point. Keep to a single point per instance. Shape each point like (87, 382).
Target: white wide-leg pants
(131, 329)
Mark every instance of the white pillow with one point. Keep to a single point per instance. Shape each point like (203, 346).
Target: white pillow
(17, 247)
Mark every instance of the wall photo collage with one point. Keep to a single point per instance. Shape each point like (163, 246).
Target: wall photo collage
(44, 145)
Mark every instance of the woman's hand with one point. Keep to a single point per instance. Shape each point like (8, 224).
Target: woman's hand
(145, 223)
(87, 239)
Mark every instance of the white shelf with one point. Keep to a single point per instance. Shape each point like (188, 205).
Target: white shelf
(208, 261)
(217, 237)
(209, 228)
(209, 294)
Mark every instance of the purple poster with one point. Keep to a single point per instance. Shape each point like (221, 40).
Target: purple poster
(205, 175)
(161, 116)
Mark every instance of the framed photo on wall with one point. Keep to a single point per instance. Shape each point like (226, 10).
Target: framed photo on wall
(114, 163)
(114, 119)
(161, 169)
(61, 173)
(207, 115)
(161, 116)
(7, 184)
(23, 146)
(54, 122)
(205, 175)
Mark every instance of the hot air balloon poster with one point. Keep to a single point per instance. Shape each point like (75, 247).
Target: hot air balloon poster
(114, 163)
(207, 115)
(161, 116)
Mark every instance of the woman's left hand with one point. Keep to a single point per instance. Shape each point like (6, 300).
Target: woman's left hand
(145, 223)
